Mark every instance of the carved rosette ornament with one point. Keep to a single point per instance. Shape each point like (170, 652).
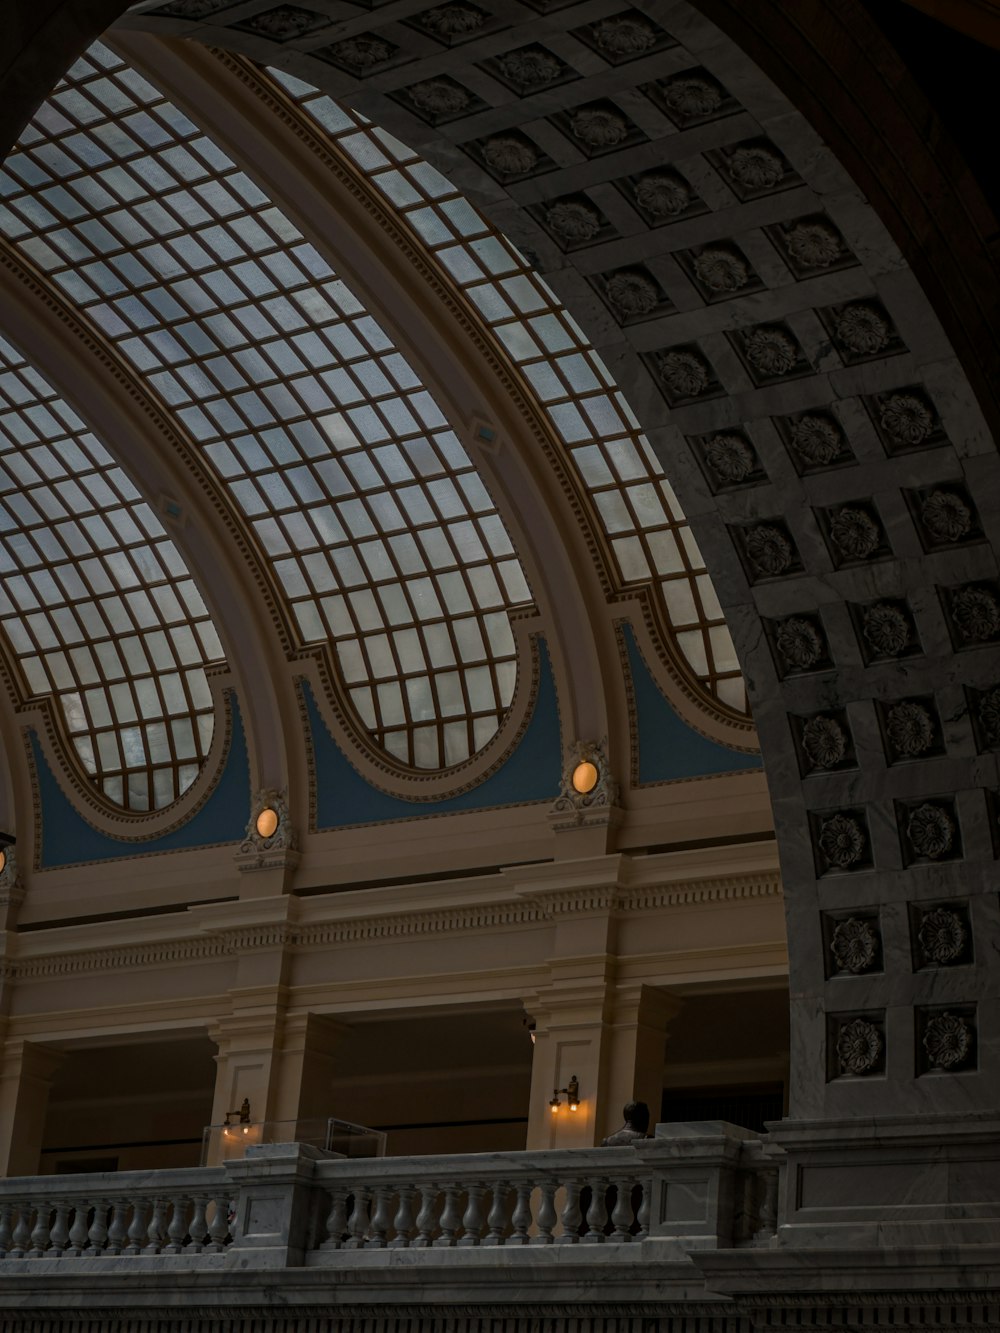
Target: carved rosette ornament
(859, 1046)
(721, 270)
(886, 628)
(812, 245)
(817, 440)
(906, 419)
(824, 741)
(286, 22)
(439, 97)
(692, 97)
(946, 516)
(756, 168)
(624, 35)
(862, 331)
(976, 614)
(768, 549)
(770, 351)
(362, 53)
(854, 533)
(842, 841)
(529, 68)
(799, 643)
(455, 20)
(194, 9)
(930, 831)
(598, 128)
(663, 195)
(730, 457)
(942, 936)
(509, 156)
(910, 729)
(270, 842)
(589, 795)
(631, 293)
(685, 374)
(573, 220)
(854, 945)
(948, 1041)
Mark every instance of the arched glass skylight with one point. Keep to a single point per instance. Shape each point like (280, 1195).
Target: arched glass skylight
(96, 602)
(377, 525)
(648, 534)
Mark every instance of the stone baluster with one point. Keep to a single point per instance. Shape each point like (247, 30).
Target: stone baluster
(79, 1230)
(359, 1222)
(546, 1217)
(97, 1235)
(177, 1230)
(621, 1214)
(521, 1216)
(137, 1227)
(156, 1232)
(767, 1218)
(571, 1217)
(335, 1225)
(381, 1218)
(198, 1226)
(472, 1218)
(597, 1213)
(496, 1219)
(6, 1229)
(59, 1235)
(402, 1223)
(117, 1234)
(427, 1217)
(218, 1228)
(645, 1208)
(21, 1238)
(40, 1231)
(451, 1217)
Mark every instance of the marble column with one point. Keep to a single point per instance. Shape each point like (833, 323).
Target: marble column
(26, 1078)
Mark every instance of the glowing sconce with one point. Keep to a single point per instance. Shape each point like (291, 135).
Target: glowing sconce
(242, 1126)
(572, 1094)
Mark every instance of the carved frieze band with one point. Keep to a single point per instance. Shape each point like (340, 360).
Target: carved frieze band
(527, 910)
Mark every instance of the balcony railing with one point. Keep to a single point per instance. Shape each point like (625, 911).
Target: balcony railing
(699, 1186)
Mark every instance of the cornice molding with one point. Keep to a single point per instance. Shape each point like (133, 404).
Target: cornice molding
(530, 909)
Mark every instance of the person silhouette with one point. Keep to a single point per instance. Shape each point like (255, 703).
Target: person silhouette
(635, 1128)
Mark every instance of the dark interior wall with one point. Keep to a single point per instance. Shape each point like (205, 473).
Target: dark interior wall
(140, 1105)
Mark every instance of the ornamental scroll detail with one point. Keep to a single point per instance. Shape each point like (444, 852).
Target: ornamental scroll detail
(270, 841)
(589, 795)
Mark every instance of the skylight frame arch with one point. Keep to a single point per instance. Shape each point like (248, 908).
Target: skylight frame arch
(683, 578)
(109, 709)
(168, 385)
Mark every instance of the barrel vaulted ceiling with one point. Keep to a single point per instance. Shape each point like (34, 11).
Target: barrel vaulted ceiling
(349, 480)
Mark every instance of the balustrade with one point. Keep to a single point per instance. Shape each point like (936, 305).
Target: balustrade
(563, 1207)
(60, 1217)
(322, 1208)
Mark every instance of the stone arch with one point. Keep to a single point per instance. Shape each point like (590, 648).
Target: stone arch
(854, 576)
